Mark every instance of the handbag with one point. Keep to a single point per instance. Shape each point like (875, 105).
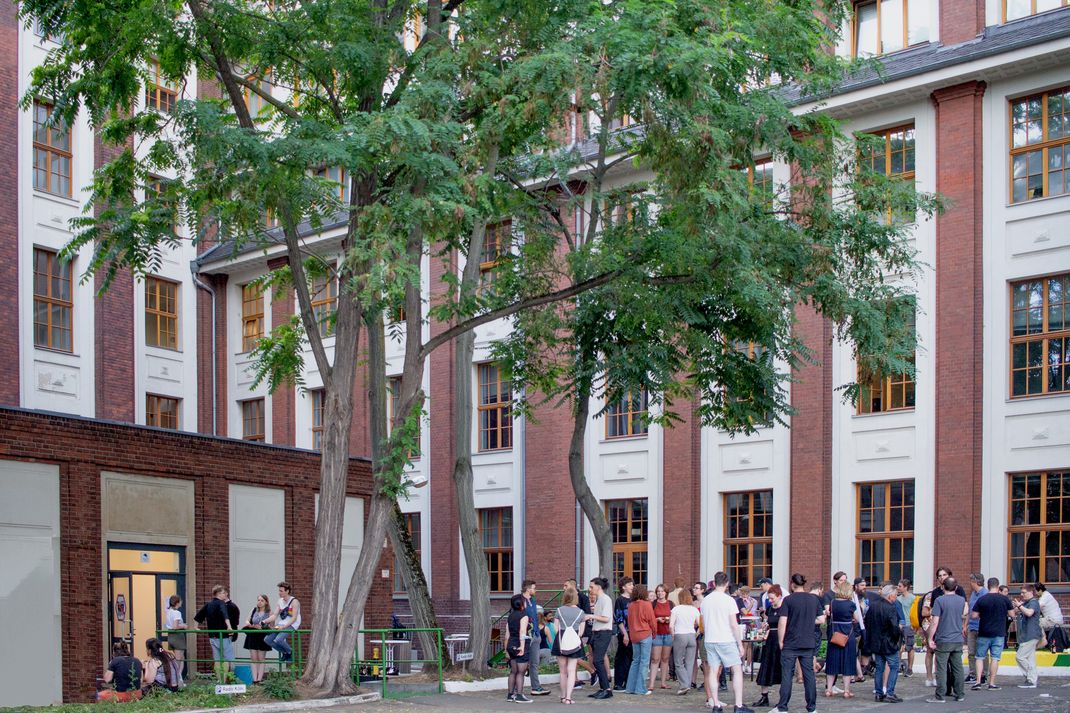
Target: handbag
(839, 639)
(570, 641)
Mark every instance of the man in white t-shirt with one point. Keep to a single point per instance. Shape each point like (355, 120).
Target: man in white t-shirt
(723, 641)
(601, 619)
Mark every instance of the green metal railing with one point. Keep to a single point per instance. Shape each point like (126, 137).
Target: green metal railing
(497, 658)
(375, 667)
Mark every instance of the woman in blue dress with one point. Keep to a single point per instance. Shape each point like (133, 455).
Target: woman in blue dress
(840, 660)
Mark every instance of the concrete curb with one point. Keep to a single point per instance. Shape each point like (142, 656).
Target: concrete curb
(493, 684)
(283, 706)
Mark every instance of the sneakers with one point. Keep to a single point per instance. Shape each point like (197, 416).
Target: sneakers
(905, 673)
(1027, 684)
(971, 678)
(744, 709)
(993, 687)
(836, 690)
(521, 698)
(936, 699)
(579, 684)
(930, 683)
(511, 698)
(541, 691)
(976, 687)
(892, 698)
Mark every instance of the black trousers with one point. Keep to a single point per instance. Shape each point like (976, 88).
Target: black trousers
(599, 645)
(805, 657)
(622, 663)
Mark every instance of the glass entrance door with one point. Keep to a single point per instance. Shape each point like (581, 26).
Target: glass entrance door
(141, 578)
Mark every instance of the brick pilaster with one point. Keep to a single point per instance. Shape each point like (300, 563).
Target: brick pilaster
(9, 209)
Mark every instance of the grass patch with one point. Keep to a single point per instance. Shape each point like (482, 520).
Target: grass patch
(197, 694)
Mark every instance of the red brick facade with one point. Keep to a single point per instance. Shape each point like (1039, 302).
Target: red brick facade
(961, 20)
(9, 208)
(84, 448)
(681, 496)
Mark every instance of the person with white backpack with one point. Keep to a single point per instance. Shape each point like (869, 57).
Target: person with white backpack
(568, 648)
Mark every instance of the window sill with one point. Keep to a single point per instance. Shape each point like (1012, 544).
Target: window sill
(50, 350)
(1011, 205)
(1030, 397)
(884, 413)
(494, 450)
(616, 439)
(61, 199)
(165, 350)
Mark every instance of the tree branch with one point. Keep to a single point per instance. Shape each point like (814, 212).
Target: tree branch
(266, 96)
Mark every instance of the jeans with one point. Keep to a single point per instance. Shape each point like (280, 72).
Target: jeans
(224, 643)
(1027, 659)
(684, 650)
(599, 645)
(949, 654)
(535, 647)
(971, 650)
(278, 642)
(622, 663)
(640, 663)
(892, 662)
(805, 657)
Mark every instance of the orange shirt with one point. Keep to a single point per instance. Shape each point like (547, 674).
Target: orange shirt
(641, 621)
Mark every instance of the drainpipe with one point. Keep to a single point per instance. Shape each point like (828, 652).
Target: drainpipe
(208, 288)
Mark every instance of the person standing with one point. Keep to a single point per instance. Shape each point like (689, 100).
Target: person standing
(622, 662)
(1029, 634)
(841, 658)
(884, 637)
(641, 624)
(769, 659)
(534, 649)
(215, 616)
(799, 613)
(516, 648)
(677, 587)
(930, 601)
(569, 616)
(683, 622)
(662, 648)
(286, 619)
(601, 620)
(724, 639)
(763, 599)
(991, 614)
(255, 642)
(906, 601)
(977, 590)
(947, 634)
(698, 593)
(172, 622)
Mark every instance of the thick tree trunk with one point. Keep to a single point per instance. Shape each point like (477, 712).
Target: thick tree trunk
(592, 509)
(412, 574)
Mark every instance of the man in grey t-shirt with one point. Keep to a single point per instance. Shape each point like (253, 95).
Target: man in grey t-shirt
(1027, 610)
(947, 634)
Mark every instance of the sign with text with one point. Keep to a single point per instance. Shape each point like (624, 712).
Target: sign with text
(466, 656)
(230, 689)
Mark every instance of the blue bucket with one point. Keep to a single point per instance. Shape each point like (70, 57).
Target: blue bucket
(244, 674)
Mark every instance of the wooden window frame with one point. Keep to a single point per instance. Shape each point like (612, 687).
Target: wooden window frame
(252, 315)
(157, 186)
(622, 408)
(1043, 338)
(886, 535)
(502, 406)
(160, 93)
(155, 414)
(880, 36)
(1033, 10)
(256, 419)
(909, 131)
(749, 573)
(496, 556)
(766, 186)
(324, 172)
(153, 285)
(888, 385)
(496, 243)
(251, 97)
(52, 301)
(1045, 145)
(413, 525)
(324, 293)
(629, 547)
(393, 384)
(1043, 528)
(53, 155)
(317, 397)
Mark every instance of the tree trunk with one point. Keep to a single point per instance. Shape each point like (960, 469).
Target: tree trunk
(412, 574)
(592, 509)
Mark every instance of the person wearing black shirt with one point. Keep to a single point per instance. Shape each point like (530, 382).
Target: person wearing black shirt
(795, 630)
(883, 637)
(992, 613)
(124, 674)
(622, 663)
(220, 614)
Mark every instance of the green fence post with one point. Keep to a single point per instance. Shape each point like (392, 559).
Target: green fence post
(438, 657)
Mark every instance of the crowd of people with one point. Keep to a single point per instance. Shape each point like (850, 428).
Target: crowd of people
(266, 628)
(710, 635)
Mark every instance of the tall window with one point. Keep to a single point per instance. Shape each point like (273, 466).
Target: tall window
(885, 539)
(252, 420)
(393, 387)
(412, 524)
(1040, 527)
(1040, 145)
(882, 26)
(255, 101)
(317, 418)
(1015, 9)
(161, 93)
(495, 246)
(161, 411)
(156, 188)
(748, 536)
(496, 532)
(252, 315)
(51, 153)
(336, 174)
(626, 416)
(760, 179)
(1040, 336)
(628, 524)
(161, 313)
(892, 155)
(495, 409)
(53, 307)
(324, 292)
(881, 393)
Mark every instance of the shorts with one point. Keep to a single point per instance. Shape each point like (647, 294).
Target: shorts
(701, 649)
(908, 636)
(662, 640)
(109, 695)
(989, 645)
(723, 654)
(228, 648)
(512, 651)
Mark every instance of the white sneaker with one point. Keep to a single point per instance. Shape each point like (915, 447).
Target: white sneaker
(1027, 685)
(836, 690)
(930, 684)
